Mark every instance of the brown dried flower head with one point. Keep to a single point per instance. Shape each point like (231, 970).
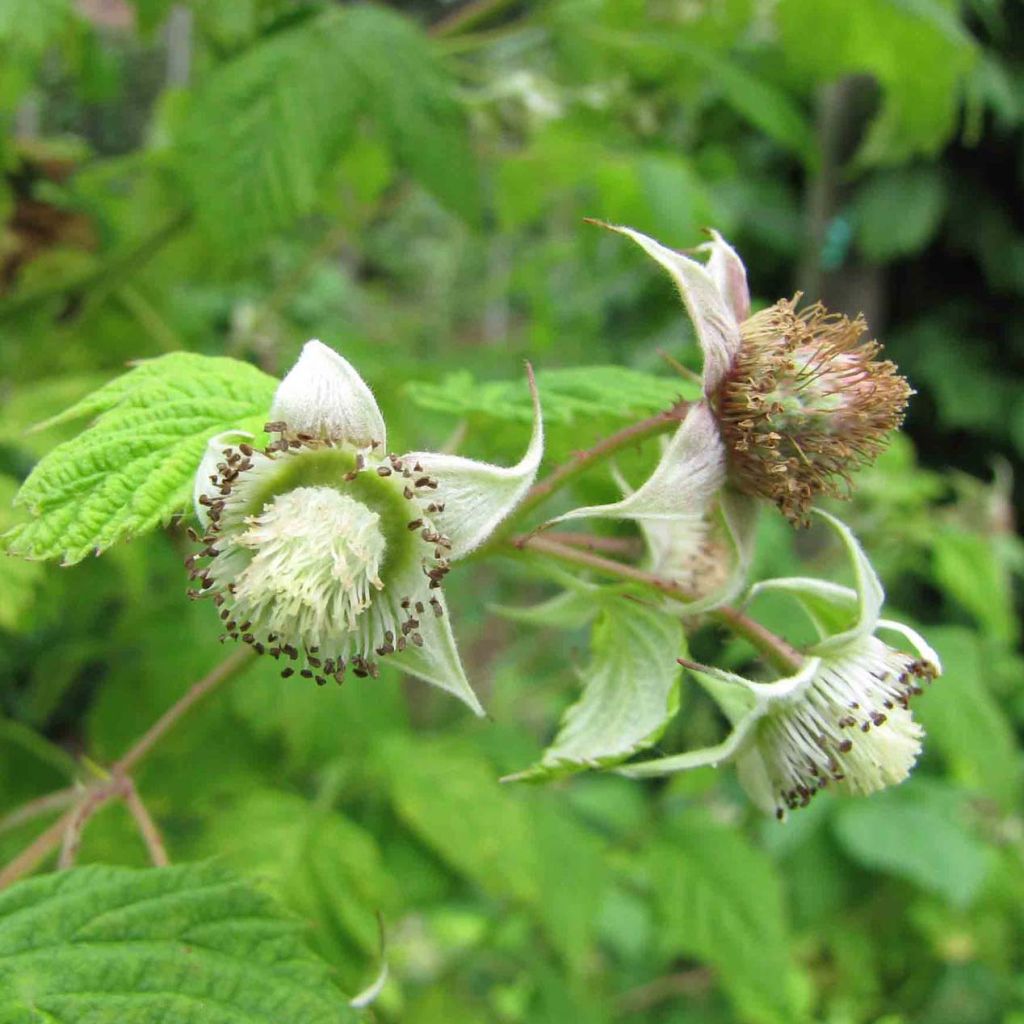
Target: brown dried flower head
(804, 403)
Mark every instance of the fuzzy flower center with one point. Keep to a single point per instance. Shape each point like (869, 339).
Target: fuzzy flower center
(320, 556)
(316, 558)
(851, 726)
(806, 402)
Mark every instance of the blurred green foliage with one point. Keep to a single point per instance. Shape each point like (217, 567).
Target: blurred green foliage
(408, 182)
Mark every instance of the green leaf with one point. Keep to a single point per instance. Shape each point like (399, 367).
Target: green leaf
(917, 833)
(759, 101)
(965, 722)
(514, 843)
(319, 864)
(570, 609)
(19, 581)
(28, 26)
(566, 395)
(630, 691)
(720, 901)
(969, 568)
(451, 798)
(897, 212)
(191, 944)
(264, 132)
(918, 52)
(133, 468)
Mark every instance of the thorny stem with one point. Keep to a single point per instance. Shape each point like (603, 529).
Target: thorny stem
(775, 650)
(66, 831)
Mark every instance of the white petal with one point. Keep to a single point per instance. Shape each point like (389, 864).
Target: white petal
(476, 495)
(870, 595)
(689, 474)
(729, 748)
(437, 661)
(208, 467)
(752, 771)
(325, 396)
(780, 689)
(740, 515)
(729, 274)
(918, 642)
(710, 309)
(673, 546)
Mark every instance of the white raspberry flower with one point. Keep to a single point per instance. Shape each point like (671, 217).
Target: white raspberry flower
(843, 718)
(327, 552)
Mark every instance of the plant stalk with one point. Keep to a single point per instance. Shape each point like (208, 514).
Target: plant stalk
(784, 657)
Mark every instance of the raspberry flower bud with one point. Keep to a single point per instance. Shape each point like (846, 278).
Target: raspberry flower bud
(794, 398)
(326, 553)
(687, 504)
(804, 402)
(842, 718)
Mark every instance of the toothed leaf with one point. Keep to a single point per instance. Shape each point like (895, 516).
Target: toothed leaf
(100, 945)
(132, 469)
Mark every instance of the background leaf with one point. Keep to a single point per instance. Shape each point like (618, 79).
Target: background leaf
(913, 832)
(133, 468)
(185, 943)
(262, 134)
(897, 212)
(720, 900)
(568, 395)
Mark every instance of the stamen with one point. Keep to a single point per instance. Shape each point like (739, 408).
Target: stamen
(805, 403)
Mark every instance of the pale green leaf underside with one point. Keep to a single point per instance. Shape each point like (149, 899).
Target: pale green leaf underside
(630, 691)
(571, 394)
(191, 944)
(132, 469)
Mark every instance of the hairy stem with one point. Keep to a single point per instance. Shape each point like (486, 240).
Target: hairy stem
(38, 807)
(146, 825)
(773, 648)
(66, 831)
(71, 839)
(468, 16)
(163, 725)
(38, 850)
(581, 461)
(629, 547)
